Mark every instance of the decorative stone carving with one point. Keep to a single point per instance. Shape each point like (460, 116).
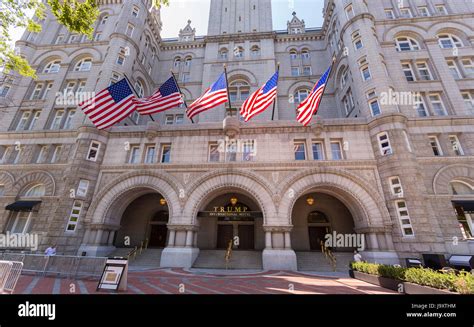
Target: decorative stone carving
(317, 128)
(187, 34)
(231, 126)
(296, 25)
(151, 131)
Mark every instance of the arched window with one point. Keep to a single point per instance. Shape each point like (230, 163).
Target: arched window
(255, 51)
(344, 78)
(305, 54)
(147, 42)
(461, 188)
(140, 89)
(239, 90)
(223, 54)
(301, 95)
(36, 191)
(52, 67)
(293, 54)
(317, 217)
(188, 61)
(84, 65)
(177, 62)
(239, 52)
(104, 19)
(153, 53)
(407, 44)
(449, 41)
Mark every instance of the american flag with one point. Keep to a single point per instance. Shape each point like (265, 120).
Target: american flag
(308, 108)
(111, 105)
(166, 97)
(214, 96)
(261, 99)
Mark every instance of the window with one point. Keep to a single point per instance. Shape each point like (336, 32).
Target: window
(441, 9)
(364, 69)
(214, 152)
(59, 39)
(448, 41)
(121, 56)
(135, 11)
(374, 107)
(405, 222)
(255, 51)
(239, 52)
(453, 69)
(179, 119)
(239, 90)
(301, 95)
(150, 154)
(396, 186)
(344, 78)
(424, 71)
(140, 89)
(295, 71)
(165, 153)
(73, 38)
(134, 156)
(82, 187)
(129, 30)
(4, 153)
(56, 153)
(43, 152)
(468, 67)
(420, 106)
(384, 144)
(23, 121)
(177, 63)
(74, 216)
(307, 71)
(93, 152)
(300, 151)
(434, 143)
(457, 148)
(4, 89)
(2, 189)
(114, 78)
(83, 65)
(437, 105)
(97, 36)
(468, 98)
(69, 117)
(223, 54)
(318, 153)
(407, 44)
(305, 54)
(357, 40)
(48, 88)
(52, 67)
(36, 191)
(231, 151)
(248, 151)
(17, 155)
(336, 150)
(37, 91)
(405, 13)
(293, 54)
(19, 222)
(389, 14)
(104, 19)
(424, 12)
(408, 71)
(57, 119)
(169, 119)
(349, 11)
(185, 77)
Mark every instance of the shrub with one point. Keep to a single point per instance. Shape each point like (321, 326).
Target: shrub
(392, 272)
(365, 267)
(429, 277)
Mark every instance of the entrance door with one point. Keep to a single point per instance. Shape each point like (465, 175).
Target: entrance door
(225, 233)
(246, 237)
(158, 236)
(316, 235)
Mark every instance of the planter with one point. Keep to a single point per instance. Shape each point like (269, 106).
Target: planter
(389, 283)
(411, 288)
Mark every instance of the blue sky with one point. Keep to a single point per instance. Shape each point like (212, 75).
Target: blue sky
(177, 14)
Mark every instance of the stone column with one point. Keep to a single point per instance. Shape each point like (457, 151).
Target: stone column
(181, 251)
(171, 238)
(278, 254)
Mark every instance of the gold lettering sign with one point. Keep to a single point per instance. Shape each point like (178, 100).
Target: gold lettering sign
(230, 209)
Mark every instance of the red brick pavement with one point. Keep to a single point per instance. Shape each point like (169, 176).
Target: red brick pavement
(179, 281)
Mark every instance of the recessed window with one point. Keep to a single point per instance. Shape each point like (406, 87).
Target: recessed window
(121, 57)
(349, 11)
(441, 9)
(129, 30)
(336, 150)
(165, 153)
(59, 39)
(468, 98)
(214, 152)
(57, 119)
(36, 191)
(424, 71)
(223, 54)
(41, 157)
(295, 71)
(396, 186)
(56, 154)
(104, 19)
(435, 147)
(52, 67)
(389, 14)
(437, 104)
(74, 216)
(374, 107)
(407, 44)
(301, 95)
(384, 144)
(318, 152)
(135, 11)
(93, 151)
(300, 151)
(357, 40)
(150, 154)
(134, 156)
(305, 54)
(468, 67)
(453, 69)
(20, 222)
(406, 13)
(307, 71)
(84, 65)
(231, 151)
(408, 72)
(423, 11)
(293, 54)
(456, 145)
(404, 217)
(248, 153)
(82, 188)
(449, 41)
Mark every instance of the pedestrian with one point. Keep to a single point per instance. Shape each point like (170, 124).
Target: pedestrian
(50, 251)
(357, 257)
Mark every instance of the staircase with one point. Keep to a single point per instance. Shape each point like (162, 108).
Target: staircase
(149, 258)
(215, 259)
(316, 261)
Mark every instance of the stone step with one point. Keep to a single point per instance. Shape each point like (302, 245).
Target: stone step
(148, 258)
(215, 259)
(316, 261)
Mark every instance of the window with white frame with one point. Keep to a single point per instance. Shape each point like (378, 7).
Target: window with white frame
(140, 89)
(396, 186)
(453, 69)
(150, 154)
(82, 188)
(349, 11)
(214, 152)
(135, 11)
(224, 54)
(336, 150)
(406, 13)
(468, 66)
(424, 71)
(52, 67)
(59, 39)
(104, 19)
(408, 72)
(28, 120)
(97, 36)
(114, 78)
(441, 9)
(121, 56)
(129, 30)
(437, 104)
(74, 216)
(301, 95)
(19, 222)
(374, 107)
(468, 97)
(69, 118)
(389, 14)
(165, 153)
(456, 145)
(449, 41)
(318, 151)
(56, 154)
(93, 151)
(57, 119)
(295, 71)
(307, 71)
(299, 150)
(364, 69)
(305, 54)
(17, 155)
(384, 144)
(357, 40)
(134, 155)
(83, 65)
(293, 54)
(435, 147)
(407, 44)
(36, 191)
(404, 217)
(239, 52)
(41, 157)
(423, 11)
(36, 94)
(73, 38)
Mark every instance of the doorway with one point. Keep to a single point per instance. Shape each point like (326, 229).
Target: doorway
(158, 235)
(225, 233)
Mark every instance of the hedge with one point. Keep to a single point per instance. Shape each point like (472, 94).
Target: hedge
(462, 282)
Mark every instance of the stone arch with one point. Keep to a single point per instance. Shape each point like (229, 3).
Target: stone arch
(7, 180)
(444, 176)
(49, 56)
(85, 52)
(249, 183)
(415, 31)
(300, 85)
(363, 201)
(35, 177)
(341, 68)
(114, 198)
(456, 28)
(243, 74)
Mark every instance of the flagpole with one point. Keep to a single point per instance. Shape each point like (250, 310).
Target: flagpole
(227, 86)
(274, 101)
(135, 91)
(179, 89)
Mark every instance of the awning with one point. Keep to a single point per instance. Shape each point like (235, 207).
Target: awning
(22, 205)
(468, 206)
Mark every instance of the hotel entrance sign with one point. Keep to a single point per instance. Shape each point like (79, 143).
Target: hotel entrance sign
(231, 213)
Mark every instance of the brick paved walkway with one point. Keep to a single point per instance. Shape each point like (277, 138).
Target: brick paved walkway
(179, 281)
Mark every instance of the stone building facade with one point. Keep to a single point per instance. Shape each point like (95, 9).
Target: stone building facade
(389, 155)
